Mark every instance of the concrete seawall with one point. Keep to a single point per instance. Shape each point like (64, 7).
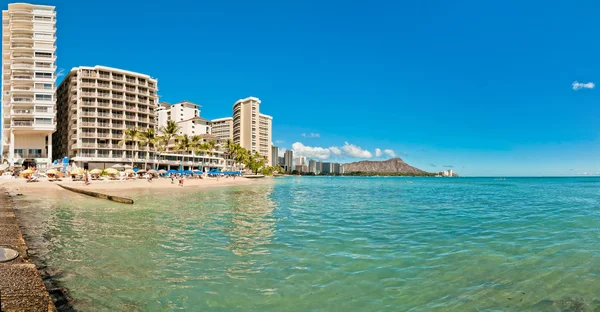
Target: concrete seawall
(21, 286)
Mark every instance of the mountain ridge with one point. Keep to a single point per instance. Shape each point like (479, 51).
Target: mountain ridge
(392, 165)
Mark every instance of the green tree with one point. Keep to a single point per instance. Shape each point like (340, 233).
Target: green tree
(130, 135)
(255, 161)
(149, 139)
(183, 144)
(169, 132)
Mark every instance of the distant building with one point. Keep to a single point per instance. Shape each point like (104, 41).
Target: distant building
(274, 156)
(301, 168)
(281, 161)
(300, 161)
(338, 168)
(327, 168)
(319, 167)
(287, 160)
(312, 166)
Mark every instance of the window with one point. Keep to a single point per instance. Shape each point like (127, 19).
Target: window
(43, 121)
(20, 152)
(35, 153)
(43, 54)
(43, 75)
(43, 97)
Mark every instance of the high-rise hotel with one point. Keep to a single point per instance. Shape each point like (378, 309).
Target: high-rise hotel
(248, 127)
(28, 83)
(95, 106)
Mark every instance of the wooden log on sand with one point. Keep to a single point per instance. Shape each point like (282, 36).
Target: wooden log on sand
(117, 199)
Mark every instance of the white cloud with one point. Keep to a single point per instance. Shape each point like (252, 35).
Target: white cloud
(355, 151)
(336, 151)
(281, 152)
(310, 152)
(390, 153)
(378, 152)
(311, 135)
(581, 85)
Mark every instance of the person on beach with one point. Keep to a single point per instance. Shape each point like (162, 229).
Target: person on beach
(86, 178)
(172, 179)
(181, 181)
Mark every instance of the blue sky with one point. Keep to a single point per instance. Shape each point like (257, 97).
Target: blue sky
(482, 87)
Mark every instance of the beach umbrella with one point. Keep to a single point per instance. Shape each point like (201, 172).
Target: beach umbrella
(118, 166)
(52, 171)
(141, 171)
(162, 171)
(129, 171)
(111, 171)
(78, 171)
(127, 167)
(152, 171)
(96, 171)
(28, 171)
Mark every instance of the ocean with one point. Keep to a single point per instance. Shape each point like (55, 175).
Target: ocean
(326, 244)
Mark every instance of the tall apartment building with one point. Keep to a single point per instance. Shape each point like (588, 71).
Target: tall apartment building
(222, 128)
(274, 155)
(300, 161)
(312, 166)
(287, 160)
(95, 105)
(28, 83)
(186, 115)
(251, 129)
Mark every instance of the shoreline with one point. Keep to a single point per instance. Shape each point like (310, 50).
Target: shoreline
(128, 187)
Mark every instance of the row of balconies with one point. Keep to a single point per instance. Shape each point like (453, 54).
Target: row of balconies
(118, 77)
(142, 91)
(115, 106)
(115, 96)
(105, 125)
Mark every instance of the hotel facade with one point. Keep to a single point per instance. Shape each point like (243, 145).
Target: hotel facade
(28, 83)
(251, 129)
(95, 105)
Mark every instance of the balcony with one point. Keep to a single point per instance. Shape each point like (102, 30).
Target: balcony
(104, 85)
(88, 134)
(104, 76)
(104, 135)
(103, 95)
(22, 77)
(22, 112)
(88, 84)
(117, 106)
(103, 104)
(93, 94)
(17, 123)
(21, 88)
(22, 100)
(117, 77)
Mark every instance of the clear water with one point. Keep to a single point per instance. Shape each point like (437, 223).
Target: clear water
(329, 244)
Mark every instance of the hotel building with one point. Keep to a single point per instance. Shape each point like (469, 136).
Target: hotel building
(186, 115)
(95, 105)
(28, 83)
(222, 128)
(251, 129)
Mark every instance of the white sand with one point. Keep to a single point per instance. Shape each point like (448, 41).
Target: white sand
(121, 188)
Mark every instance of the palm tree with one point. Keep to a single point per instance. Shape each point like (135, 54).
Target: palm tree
(169, 132)
(130, 135)
(229, 149)
(210, 147)
(147, 138)
(183, 145)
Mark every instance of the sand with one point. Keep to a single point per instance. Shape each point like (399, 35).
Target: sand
(122, 188)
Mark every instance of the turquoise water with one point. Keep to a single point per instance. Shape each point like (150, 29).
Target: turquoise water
(328, 244)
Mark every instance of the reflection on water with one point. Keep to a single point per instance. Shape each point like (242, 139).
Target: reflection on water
(252, 220)
(321, 244)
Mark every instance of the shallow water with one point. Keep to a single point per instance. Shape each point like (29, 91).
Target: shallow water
(328, 244)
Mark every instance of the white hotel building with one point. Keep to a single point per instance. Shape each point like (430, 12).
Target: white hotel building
(28, 83)
(95, 106)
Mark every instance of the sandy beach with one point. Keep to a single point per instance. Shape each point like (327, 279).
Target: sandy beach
(122, 188)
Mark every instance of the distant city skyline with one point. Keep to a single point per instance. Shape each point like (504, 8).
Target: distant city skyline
(497, 96)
